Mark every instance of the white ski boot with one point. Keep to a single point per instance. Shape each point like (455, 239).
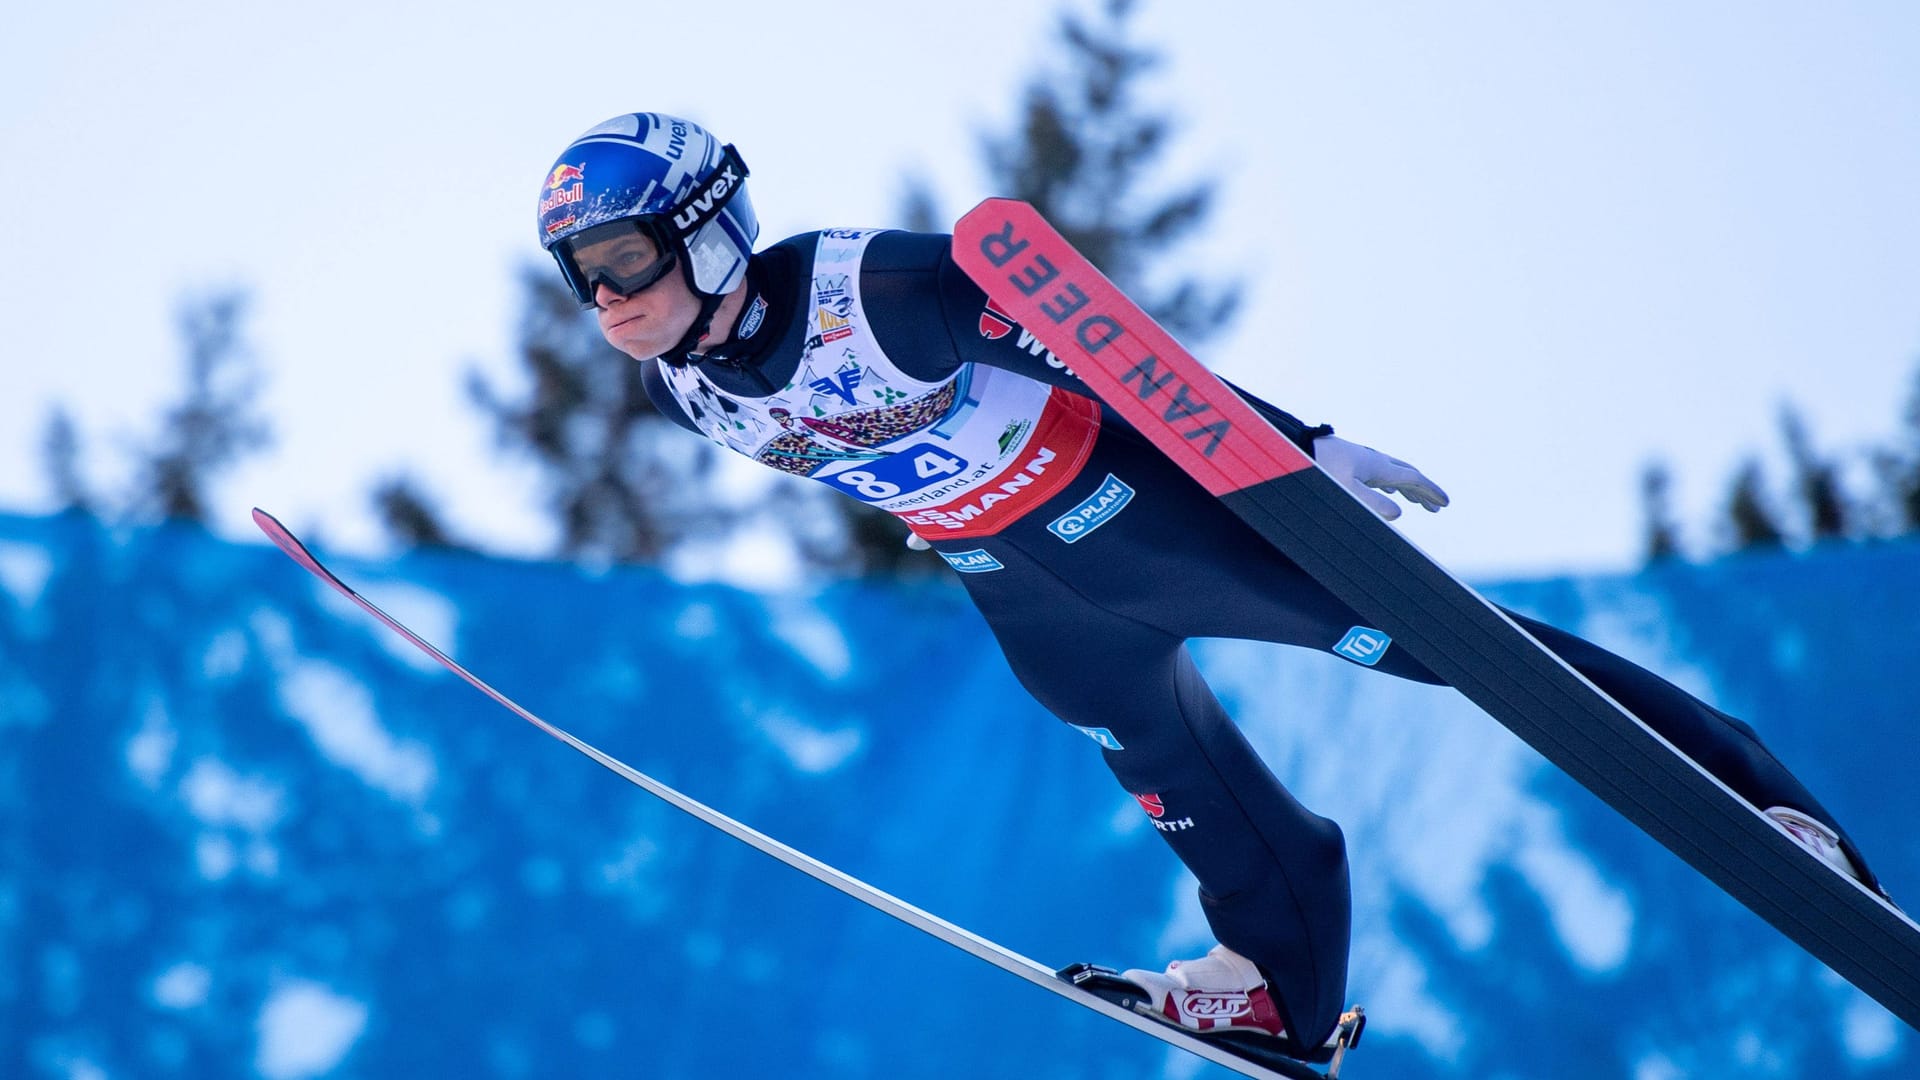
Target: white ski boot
(1221, 991)
(1222, 999)
(1817, 838)
(1823, 842)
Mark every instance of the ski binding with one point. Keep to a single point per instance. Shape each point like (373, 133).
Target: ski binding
(1106, 983)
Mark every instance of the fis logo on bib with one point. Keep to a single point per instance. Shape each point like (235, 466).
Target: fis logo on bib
(976, 561)
(1114, 494)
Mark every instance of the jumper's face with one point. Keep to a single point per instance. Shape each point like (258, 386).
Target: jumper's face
(657, 308)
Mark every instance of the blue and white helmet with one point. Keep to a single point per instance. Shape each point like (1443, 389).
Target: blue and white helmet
(663, 176)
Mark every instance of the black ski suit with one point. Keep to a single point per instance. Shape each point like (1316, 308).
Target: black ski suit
(1093, 614)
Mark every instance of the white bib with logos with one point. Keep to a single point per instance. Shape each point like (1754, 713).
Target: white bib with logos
(961, 457)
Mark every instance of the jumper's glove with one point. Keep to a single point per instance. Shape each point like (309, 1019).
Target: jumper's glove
(1360, 469)
(914, 543)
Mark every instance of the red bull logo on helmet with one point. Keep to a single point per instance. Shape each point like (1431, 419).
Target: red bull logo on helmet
(564, 186)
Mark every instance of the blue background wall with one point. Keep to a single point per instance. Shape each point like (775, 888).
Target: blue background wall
(245, 831)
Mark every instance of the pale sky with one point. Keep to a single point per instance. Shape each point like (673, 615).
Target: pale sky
(1525, 247)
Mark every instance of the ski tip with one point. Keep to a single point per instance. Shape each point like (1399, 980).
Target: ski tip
(281, 536)
(275, 531)
(996, 206)
(284, 539)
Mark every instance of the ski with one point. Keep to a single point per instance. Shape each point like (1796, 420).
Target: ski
(1261, 1064)
(1030, 272)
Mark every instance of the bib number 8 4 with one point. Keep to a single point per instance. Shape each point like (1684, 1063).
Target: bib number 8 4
(898, 474)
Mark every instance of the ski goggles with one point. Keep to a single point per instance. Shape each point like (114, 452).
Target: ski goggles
(612, 254)
(628, 256)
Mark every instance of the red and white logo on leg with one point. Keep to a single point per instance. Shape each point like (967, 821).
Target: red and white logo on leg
(995, 323)
(1156, 809)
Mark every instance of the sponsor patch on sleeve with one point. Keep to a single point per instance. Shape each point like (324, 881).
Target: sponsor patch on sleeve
(977, 561)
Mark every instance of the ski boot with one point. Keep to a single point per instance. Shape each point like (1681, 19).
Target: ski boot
(1222, 999)
(1826, 846)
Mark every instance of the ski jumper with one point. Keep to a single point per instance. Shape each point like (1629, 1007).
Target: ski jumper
(871, 362)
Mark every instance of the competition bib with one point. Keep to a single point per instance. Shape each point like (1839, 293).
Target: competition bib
(958, 458)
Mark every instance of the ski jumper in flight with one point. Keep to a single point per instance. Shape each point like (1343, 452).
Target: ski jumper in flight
(867, 360)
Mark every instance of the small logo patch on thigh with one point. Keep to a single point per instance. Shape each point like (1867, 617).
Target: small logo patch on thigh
(1363, 645)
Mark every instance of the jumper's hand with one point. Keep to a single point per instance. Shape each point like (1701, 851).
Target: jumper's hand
(1361, 469)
